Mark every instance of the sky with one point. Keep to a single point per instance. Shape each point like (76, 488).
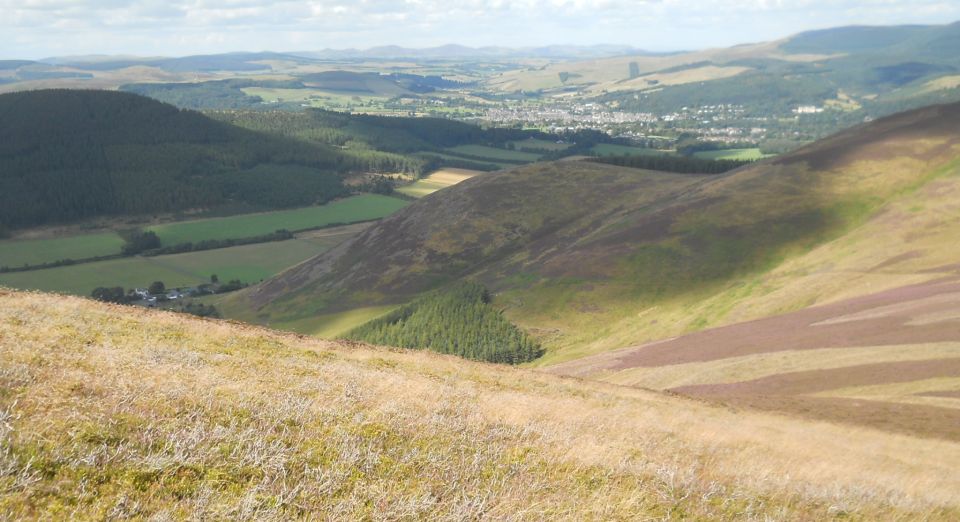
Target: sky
(33, 29)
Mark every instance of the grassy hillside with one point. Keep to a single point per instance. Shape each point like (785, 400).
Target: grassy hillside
(70, 155)
(108, 411)
(864, 71)
(593, 257)
(889, 360)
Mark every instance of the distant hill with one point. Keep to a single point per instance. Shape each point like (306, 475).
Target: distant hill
(919, 41)
(861, 71)
(452, 51)
(68, 155)
(593, 257)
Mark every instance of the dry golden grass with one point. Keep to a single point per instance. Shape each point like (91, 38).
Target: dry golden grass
(114, 412)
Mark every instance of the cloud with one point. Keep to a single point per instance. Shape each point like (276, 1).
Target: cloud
(34, 28)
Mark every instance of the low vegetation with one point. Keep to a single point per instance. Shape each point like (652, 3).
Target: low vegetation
(670, 163)
(458, 320)
(248, 263)
(365, 207)
(119, 412)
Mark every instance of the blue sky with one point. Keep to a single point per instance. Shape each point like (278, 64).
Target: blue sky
(40, 28)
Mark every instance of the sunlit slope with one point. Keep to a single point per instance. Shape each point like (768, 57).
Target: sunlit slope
(109, 411)
(889, 359)
(592, 258)
(495, 222)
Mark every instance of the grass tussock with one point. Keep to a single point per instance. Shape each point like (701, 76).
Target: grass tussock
(113, 412)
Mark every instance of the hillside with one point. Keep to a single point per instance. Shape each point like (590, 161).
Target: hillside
(859, 70)
(108, 411)
(68, 155)
(593, 257)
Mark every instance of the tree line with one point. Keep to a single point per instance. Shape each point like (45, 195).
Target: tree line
(670, 163)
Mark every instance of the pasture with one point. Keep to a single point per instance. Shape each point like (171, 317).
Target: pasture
(534, 143)
(19, 252)
(493, 153)
(440, 179)
(732, 154)
(350, 210)
(612, 149)
(248, 263)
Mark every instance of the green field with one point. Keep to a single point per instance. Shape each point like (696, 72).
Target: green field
(357, 208)
(612, 149)
(482, 151)
(533, 143)
(17, 252)
(732, 154)
(451, 157)
(248, 263)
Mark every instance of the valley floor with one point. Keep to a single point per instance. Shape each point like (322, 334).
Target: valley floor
(109, 411)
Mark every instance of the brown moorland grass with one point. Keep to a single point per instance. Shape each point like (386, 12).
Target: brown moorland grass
(114, 412)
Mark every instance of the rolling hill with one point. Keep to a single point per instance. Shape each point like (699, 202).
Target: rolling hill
(868, 70)
(591, 258)
(118, 412)
(69, 155)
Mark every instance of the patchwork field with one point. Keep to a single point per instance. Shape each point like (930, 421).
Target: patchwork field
(20, 252)
(110, 411)
(248, 263)
(533, 143)
(357, 208)
(493, 153)
(440, 179)
(890, 360)
(612, 149)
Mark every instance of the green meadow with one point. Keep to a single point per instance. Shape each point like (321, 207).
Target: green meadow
(19, 252)
(612, 149)
(493, 153)
(248, 263)
(350, 210)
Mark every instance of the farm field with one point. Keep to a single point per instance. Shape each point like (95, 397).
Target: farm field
(248, 263)
(440, 179)
(534, 143)
(482, 151)
(612, 149)
(357, 208)
(500, 164)
(732, 154)
(20, 252)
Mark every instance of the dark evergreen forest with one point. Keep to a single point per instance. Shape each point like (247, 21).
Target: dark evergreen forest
(670, 163)
(67, 155)
(459, 320)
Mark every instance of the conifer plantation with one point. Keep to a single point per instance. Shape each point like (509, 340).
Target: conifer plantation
(67, 155)
(459, 320)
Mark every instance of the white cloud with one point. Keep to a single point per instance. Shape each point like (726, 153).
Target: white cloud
(34, 28)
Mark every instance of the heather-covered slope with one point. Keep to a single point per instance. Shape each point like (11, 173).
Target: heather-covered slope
(114, 412)
(592, 257)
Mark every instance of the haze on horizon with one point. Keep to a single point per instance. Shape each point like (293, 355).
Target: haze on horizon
(35, 29)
